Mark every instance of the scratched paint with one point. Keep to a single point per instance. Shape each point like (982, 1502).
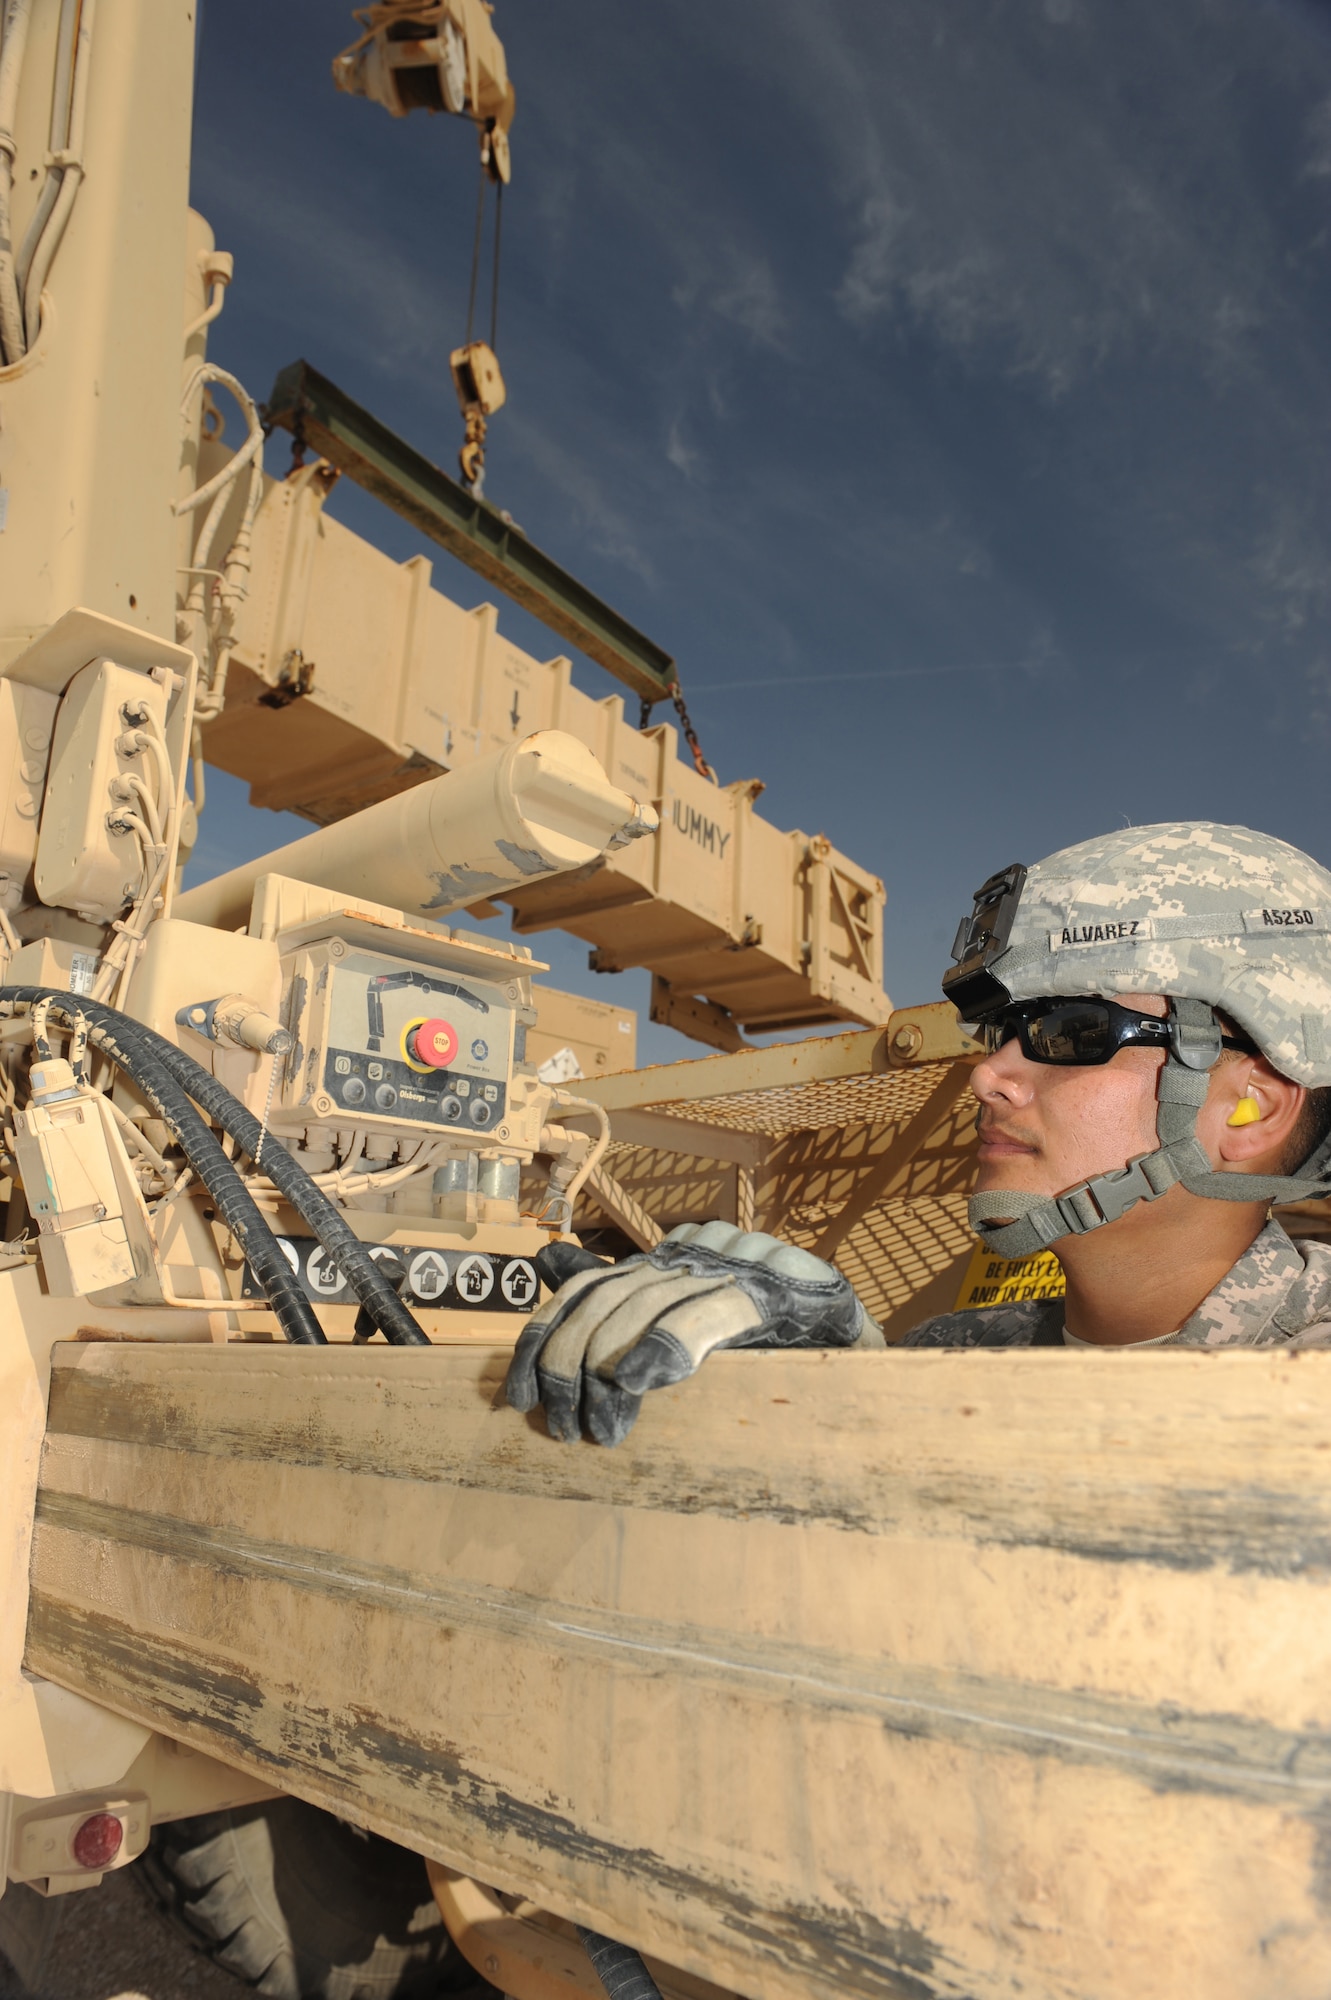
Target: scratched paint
(911, 1746)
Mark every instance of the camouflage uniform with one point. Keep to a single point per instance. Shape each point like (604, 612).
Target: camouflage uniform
(1277, 1295)
(1211, 917)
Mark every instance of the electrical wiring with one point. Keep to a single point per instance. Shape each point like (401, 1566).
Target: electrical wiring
(13, 44)
(68, 157)
(134, 787)
(567, 1102)
(575, 1157)
(234, 466)
(137, 1051)
(155, 829)
(142, 1145)
(342, 1183)
(176, 1085)
(121, 1036)
(147, 735)
(208, 614)
(59, 133)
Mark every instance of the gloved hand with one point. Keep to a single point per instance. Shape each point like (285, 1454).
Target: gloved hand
(613, 1331)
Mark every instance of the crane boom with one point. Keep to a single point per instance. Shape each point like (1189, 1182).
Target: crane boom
(351, 679)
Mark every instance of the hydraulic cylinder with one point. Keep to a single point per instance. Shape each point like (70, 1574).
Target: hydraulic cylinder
(541, 806)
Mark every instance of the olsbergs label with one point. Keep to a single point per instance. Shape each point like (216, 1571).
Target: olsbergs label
(454, 1280)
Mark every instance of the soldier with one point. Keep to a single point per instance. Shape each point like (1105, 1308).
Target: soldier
(1156, 1009)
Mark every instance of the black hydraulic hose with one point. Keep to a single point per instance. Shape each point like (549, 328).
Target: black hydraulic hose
(619, 1969)
(372, 1286)
(235, 1204)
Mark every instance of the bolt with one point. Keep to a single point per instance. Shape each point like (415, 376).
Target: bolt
(908, 1041)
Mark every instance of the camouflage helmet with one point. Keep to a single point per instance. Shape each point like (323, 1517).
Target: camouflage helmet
(1209, 916)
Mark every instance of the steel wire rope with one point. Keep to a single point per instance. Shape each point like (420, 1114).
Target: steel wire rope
(494, 277)
(476, 252)
(478, 242)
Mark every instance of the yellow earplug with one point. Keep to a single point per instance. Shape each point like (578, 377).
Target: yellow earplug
(1246, 1112)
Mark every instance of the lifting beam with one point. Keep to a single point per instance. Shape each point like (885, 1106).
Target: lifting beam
(319, 415)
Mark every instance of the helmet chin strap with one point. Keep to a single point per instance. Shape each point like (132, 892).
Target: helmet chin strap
(1019, 1225)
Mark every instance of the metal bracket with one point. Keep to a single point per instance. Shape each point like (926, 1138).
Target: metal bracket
(704, 1020)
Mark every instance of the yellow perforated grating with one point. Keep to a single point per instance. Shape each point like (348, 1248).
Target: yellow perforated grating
(895, 1250)
(823, 1138)
(807, 1107)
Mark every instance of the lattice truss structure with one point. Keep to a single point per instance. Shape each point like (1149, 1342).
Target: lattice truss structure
(870, 1170)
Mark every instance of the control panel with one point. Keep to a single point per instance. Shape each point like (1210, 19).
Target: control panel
(410, 1042)
(390, 1042)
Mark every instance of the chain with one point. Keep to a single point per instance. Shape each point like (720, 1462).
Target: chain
(278, 1062)
(704, 769)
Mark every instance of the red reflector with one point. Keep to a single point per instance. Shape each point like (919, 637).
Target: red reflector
(98, 1840)
(434, 1043)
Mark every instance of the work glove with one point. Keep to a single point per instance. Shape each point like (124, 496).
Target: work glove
(613, 1331)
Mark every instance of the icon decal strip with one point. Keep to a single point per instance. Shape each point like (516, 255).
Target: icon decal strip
(448, 1280)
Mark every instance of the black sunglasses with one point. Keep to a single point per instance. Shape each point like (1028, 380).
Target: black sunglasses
(1081, 1032)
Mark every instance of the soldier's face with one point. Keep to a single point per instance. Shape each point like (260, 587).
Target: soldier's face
(1044, 1129)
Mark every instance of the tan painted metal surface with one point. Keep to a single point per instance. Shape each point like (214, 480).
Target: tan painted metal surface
(912, 1035)
(904, 1674)
(602, 1036)
(92, 414)
(400, 683)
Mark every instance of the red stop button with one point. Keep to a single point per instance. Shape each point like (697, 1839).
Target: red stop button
(433, 1044)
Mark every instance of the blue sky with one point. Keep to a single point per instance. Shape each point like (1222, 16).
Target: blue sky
(946, 386)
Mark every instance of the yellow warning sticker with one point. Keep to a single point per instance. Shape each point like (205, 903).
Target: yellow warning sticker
(1001, 1281)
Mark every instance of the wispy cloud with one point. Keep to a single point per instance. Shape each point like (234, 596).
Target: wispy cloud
(594, 515)
(1292, 564)
(682, 456)
(722, 279)
(815, 677)
(1000, 192)
(384, 298)
(747, 296)
(1317, 166)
